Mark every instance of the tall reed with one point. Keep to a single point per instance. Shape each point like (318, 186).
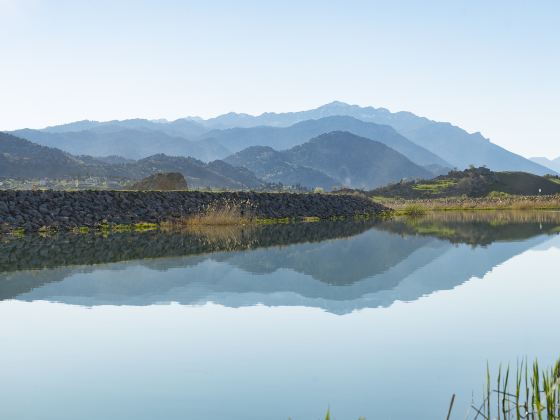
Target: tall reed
(535, 394)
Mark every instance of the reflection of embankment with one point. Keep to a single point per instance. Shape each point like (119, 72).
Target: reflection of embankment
(373, 268)
(287, 276)
(36, 252)
(477, 227)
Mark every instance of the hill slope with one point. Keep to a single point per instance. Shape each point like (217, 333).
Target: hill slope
(347, 159)
(22, 159)
(475, 182)
(273, 166)
(197, 173)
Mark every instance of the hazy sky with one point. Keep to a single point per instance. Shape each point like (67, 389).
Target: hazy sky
(488, 66)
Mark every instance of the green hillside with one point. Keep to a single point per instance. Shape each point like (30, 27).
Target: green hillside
(473, 182)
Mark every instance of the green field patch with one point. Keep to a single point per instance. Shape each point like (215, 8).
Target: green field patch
(435, 187)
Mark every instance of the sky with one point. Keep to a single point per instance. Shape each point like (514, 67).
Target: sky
(488, 66)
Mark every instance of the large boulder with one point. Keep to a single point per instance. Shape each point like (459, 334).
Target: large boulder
(170, 181)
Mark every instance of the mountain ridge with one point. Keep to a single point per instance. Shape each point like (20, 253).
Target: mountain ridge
(464, 150)
(281, 138)
(350, 160)
(436, 143)
(22, 159)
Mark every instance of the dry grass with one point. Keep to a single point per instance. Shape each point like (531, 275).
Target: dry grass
(214, 215)
(493, 217)
(544, 202)
(227, 237)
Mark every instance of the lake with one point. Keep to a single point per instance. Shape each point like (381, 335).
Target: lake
(380, 319)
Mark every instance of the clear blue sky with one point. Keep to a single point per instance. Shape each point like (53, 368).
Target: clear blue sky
(489, 66)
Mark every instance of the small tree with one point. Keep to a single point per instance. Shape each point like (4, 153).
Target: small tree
(318, 190)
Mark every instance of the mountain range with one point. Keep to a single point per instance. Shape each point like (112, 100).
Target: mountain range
(280, 138)
(454, 145)
(333, 145)
(121, 140)
(22, 159)
(329, 160)
(437, 145)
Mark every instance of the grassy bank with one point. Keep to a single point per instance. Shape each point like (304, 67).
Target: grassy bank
(492, 202)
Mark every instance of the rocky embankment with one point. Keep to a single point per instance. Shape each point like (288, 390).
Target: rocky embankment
(33, 210)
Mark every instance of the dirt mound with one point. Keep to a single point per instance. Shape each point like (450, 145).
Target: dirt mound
(171, 181)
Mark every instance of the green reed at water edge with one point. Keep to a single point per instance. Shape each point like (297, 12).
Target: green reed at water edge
(535, 394)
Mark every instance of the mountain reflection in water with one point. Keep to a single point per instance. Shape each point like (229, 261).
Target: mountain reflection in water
(337, 266)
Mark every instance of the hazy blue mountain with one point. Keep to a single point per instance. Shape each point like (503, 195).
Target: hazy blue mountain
(183, 127)
(118, 139)
(436, 145)
(22, 159)
(111, 160)
(453, 144)
(279, 138)
(347, 159)
(406, 120)
(244, 176)
(355, 161)
(462, 149)
(275, 167)
(73, 126)
(553, 164)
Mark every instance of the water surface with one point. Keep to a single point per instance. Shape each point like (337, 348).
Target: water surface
(384, 320)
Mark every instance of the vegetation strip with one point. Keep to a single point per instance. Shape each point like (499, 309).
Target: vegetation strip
(492, 202)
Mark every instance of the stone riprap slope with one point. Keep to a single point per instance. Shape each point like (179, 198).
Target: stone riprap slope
(33, 210)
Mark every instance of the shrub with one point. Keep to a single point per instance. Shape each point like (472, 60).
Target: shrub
(414, 210)
(498, 194)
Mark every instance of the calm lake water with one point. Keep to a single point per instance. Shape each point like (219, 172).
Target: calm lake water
(385, 320)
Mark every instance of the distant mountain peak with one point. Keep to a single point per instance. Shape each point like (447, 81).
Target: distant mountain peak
(336, 104)
(336, 158)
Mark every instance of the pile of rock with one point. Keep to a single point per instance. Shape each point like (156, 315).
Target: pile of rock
(33, 210)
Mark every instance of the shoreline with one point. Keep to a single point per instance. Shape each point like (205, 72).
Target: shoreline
(36, 211)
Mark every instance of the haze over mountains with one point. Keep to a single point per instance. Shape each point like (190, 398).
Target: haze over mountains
(553, 164)
(368, 147)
